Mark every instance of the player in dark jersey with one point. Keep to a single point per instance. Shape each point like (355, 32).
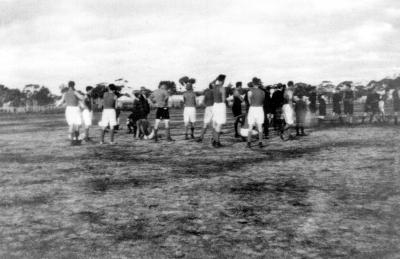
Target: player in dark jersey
(189, 111)
(109, 116)
(301, 111)
(208, 103)
(337, 99)
(237, 108)
(87, 113)
(348, 103)
(160, 98)
(219, 108)
(255, 115)
(267, 110)
(396, 104)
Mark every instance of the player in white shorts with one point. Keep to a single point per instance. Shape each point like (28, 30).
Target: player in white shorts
(288, 111)
(72, 112)
(108, 116)
(208, 102)
(189, 112)
(87, 113)
(219, 108)
(255, 117)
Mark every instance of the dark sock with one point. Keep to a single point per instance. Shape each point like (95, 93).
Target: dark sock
(156, 134)
(169, 134)
(236, 127)
(103, 133)
(86, 133)
(112, 135)
(192, 130)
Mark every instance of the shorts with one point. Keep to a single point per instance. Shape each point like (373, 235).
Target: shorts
(255, 116)
(87, 117)
(189, 114)
(208, 114)
(236, 110)
(348, 107)
(162, 113)
(301, 118)
(288, 114)
(219, 113)
(73, 115)
(108, 118)
(245, 132)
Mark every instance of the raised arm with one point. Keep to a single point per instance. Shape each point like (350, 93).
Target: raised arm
(79, 95)
(249, 94)
(223, 92)
(61, 101)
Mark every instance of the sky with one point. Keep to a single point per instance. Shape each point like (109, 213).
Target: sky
(50, 42)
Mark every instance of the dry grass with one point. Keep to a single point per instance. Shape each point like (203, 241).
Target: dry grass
(333, 194)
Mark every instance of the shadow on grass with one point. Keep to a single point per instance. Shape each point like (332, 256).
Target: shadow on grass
(26, 201)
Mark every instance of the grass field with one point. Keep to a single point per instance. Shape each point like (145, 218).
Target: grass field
(333, 194)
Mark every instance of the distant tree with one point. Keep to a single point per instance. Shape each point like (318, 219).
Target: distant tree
(43, 96)
(15, 96)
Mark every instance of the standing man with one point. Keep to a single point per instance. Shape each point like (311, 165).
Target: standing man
(219, 109)
(237, 107)
(189, 112)
(109, 115)
(267, 110)
(255, 116)
(160, 98)
(348, 103)
(277, 101)
(141, 109)
(301, 111)
(208, 102)
(287, 110)
(336, 103)
(87, 113)
(396, 104)
(72, 112)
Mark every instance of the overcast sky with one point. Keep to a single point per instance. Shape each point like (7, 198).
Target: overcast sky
(144, 41)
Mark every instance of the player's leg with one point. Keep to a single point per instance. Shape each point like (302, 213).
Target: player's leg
(192, 122)
(138, 129)
(156, 125)
(250, 133)
(186, 121)
(217, 128)
(167, 128)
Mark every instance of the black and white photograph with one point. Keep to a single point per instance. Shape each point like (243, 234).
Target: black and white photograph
(199, 129)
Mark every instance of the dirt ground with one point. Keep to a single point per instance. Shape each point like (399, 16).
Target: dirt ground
(333, 194)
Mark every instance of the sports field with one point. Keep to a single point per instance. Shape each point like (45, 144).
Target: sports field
(333, 194)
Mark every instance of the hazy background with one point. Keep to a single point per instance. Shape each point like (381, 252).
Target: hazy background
(144, 41)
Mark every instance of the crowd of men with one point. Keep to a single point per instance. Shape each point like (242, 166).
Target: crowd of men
(283, 107)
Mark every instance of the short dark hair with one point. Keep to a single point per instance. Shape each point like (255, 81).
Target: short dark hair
(71, 84)
(250, 84)
(112, 87)
(238, 84)
(210, 86)
(290, 83)
(89, 88)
